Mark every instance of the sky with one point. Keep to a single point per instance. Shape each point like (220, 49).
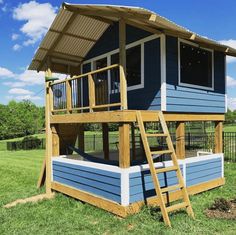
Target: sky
(24, 23)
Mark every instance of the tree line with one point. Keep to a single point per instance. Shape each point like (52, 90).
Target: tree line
(19, 119)
(230, 117)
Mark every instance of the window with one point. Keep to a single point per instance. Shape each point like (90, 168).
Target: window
(133, 68)
(195, 66)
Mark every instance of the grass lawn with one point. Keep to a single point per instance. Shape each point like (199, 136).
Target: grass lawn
(64, 215)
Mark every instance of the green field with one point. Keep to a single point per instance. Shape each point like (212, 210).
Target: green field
(64, 215)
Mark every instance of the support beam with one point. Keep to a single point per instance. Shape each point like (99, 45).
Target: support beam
(105, 137)
(68, 96)
(55, 141)
(180, 140)
(124, 146)
(122, 62)
(48, 152)
(133, 141)
(218, 137)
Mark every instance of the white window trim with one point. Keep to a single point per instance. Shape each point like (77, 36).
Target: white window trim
(108, 55)
(179, 64)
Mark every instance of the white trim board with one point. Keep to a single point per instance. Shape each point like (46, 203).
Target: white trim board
(163, 71)
(137, 168)
(179, 70)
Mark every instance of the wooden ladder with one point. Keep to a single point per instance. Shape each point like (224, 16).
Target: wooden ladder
(154, 172)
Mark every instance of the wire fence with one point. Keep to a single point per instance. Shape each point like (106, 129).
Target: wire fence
(193, 143)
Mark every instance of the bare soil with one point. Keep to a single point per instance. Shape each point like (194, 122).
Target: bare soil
(222, 209)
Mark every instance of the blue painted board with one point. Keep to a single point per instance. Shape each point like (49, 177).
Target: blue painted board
(86, 188)
(90, 182)
(88, 169)
(88, 175)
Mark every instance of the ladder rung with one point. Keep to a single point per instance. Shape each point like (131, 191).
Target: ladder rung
(177, 206)
(166, 169)
(161, 152)
(171, 188)
(156, 135)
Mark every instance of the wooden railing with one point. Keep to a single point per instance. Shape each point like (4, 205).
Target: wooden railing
(67, 95)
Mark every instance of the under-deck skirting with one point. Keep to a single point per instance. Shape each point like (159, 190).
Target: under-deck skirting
(123, 191)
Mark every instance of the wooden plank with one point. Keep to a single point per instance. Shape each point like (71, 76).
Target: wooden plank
(105, 138)
(48, 151)
(218, 137)
(42, 175)
(68, 96)
(55, 141)
(133, 141)
(130, 116)
(180, 140)
(124, 146)
(122, 62)
(92, 101)
(105, 204)
(81, 136)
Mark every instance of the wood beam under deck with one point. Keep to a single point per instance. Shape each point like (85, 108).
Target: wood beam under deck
(130, 116)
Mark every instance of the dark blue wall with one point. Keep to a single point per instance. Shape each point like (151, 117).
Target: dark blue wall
(184, 99)
(149, 96)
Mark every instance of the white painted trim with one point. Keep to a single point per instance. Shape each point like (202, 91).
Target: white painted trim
(163, 72)
(203, 158)
(130, 45)
(124, 188)
(179, 70)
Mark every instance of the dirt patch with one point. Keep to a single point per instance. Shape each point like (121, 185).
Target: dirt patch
(222, 209)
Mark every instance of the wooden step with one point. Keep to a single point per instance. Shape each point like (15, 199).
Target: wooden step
(166, 169)
(156, 135)
(177, 206)
(171, 188)
(160, 152)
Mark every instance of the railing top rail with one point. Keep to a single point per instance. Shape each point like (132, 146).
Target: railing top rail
(86, 74)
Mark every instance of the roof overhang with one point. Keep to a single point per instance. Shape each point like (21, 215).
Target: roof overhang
(77, 28)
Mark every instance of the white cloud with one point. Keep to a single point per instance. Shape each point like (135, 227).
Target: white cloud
(38, 18)
(231, 43)
(28, 97)
(20, 91)
(14, 36)
(6, 73)
(1, 1)
(14, 84)
(16, 47)
(231, 82)
(231, 103)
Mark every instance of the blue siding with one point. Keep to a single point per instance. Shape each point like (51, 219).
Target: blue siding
(99, 182)
(200, 172)
(141, 184)
(152, 68)
(109, 41)
(182, 99)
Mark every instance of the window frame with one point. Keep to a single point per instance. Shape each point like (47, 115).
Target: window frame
(130, 45)
(184, 84)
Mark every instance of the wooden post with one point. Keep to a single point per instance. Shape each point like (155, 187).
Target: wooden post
(180, 140)
(122, 68)
(48, 152)
(81, 136)
(92, 101)
(68, 96)
(133, 141)
(124, 146)
(218, 137)
(55, 141)
(105, 138)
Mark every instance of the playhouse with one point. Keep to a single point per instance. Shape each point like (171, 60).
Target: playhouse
(122, 62)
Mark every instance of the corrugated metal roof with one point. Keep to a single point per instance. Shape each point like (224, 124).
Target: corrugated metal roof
(77, 27)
